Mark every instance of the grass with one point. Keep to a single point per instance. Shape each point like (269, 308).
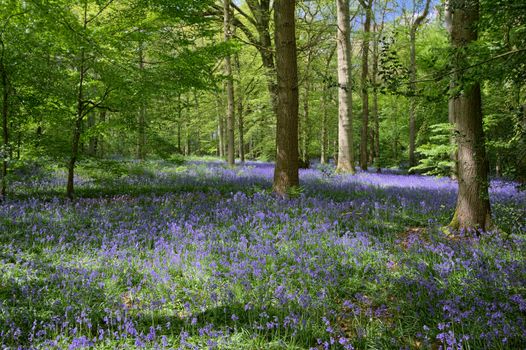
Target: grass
(199, 256)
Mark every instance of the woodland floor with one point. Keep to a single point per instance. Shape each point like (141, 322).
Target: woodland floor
(160, 255)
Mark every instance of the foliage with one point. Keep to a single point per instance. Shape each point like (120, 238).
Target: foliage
(205, 256)
(436, 154)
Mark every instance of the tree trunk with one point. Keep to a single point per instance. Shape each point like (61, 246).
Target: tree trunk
(101, 148)
(220, 128)
(473, 207)
(365, 93)
(412, 98)
(179, 123)
(324, 121)
(5, 125)
(304, 127)
(141, 142)
(345, 118)
(375, 116)
(240, 121)
(286, 171)
(92, 145)
(230, 116)
(77, 129)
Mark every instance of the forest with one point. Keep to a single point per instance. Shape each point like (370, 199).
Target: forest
(263, 174)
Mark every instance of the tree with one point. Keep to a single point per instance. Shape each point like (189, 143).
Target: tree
(367, 6)
(259, 17)
(345, 118)
(10, 11)
(286, 170)
(473, 207)
(230, 117)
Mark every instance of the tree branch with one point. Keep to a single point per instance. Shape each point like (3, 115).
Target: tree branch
(440, 77)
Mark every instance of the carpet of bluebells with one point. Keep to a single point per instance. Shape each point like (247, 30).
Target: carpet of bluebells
(201, 256)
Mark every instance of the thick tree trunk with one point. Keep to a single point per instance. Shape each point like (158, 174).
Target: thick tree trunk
(345, 118)
(286, 171)
(473, 207)
(230, 116)
(365, 88)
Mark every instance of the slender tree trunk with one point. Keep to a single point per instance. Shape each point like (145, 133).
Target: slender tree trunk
(179, 123)
(305, 124)
(240, 112)
(473, 207)
(101, 144)
(371, 145)
(5, 124)
(230, 116)
(18, 143)
(220, 128)
(365, 93)
(197, 137)
(324, 140)
(325, 100)
(92, 145)
(261, 12)
(286, 170)
(141, 142)
(375, 116)
(345, 118)
(412, 99)
(77, 129)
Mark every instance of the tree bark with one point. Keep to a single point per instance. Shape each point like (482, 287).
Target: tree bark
(375, 116)
(286, 170)
(367, 5)
(220, 128)
(304, 125)
(473, 207)
(230, 116)
(240, 112)
(345, 118)
(5, 124)
(141, 142)
(325, 99)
